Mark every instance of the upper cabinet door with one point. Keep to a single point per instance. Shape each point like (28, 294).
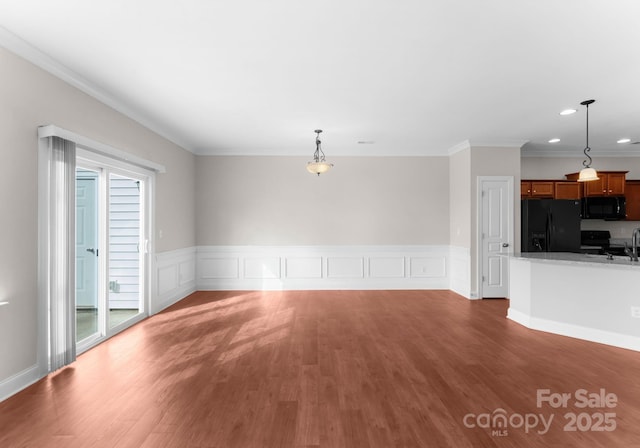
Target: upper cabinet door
(525, 189)
(568, 190)
(632, 193)
(615, 184)
(541, 189)
(596, 187)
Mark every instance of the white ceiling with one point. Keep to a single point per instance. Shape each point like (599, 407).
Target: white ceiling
(415, 77)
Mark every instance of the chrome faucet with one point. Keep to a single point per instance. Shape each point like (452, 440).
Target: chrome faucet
(633, 253)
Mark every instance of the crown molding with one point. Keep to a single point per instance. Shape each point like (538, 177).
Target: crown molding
(499, 144)
(468, 144)
(577, 153)
(462, 146)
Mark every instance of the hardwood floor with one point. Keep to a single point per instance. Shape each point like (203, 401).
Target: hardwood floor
(330, 369)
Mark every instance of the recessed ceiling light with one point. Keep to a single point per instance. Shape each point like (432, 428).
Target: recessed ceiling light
(624, 140)
(568, 112)
(365, 142)
(554, 140)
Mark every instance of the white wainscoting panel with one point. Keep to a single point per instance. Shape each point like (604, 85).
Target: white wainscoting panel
(217, 267)
(322, 267)
(175, 277)
(187, 270)
(264, 267)
(167, 279)
(345, 267)
(428, 266)
(304, 267)
(386, 267)
(460, 270)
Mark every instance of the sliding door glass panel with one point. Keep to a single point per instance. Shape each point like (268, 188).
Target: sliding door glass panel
(125, 248)
(86, 254)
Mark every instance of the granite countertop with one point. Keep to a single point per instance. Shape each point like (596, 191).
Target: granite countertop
(573, 258)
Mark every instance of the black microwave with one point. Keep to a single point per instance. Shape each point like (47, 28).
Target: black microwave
(610, 208)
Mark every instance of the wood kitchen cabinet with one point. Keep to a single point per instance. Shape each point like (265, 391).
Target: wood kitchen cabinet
(610, 183)
(632, 194)
(536, 189)
(567, 190)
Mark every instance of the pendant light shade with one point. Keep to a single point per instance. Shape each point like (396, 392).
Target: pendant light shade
(319, 164)
(318, 167)
(587, 173)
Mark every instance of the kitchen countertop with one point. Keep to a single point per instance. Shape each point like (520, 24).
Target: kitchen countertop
(618, 261)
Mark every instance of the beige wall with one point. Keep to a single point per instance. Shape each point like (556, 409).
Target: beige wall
(460, 198)
(30, 97)
(361, 201)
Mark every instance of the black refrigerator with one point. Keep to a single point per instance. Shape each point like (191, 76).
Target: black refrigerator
(550, 225)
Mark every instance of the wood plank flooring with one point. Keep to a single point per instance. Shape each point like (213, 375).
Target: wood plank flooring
(329, 369)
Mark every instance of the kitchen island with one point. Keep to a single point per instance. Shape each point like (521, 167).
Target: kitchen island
(583, 296)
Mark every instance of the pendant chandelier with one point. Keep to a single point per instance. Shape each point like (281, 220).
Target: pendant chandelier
(319, 165)
(587, 173)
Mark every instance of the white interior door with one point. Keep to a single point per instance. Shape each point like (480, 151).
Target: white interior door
(496, 234)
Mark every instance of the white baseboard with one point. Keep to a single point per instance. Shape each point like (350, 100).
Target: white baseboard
(575, 331)
(19, 381)
(519, 317)
(322, 267)
(175, 277)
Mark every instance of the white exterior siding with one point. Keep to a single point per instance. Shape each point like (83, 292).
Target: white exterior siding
(124, 243)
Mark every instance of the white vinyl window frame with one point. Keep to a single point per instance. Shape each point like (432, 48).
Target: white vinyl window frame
(93, 154)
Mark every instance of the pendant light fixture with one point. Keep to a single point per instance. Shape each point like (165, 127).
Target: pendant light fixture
(587, 173)
(319, 165)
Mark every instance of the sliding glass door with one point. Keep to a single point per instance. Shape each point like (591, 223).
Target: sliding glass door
(111, 236)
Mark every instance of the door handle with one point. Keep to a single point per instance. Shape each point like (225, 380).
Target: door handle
(505, 244)
(93, 251)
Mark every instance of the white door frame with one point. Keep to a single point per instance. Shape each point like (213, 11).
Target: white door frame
(480, 214)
